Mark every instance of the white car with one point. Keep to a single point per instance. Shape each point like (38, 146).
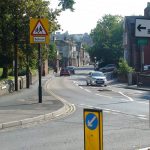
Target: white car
(96, 78)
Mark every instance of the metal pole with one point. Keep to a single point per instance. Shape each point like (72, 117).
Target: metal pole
(28, 78)
(39, 68)
(16, 54)
(142, 58)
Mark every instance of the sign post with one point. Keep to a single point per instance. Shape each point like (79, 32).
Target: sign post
(93, 129)
(39, 34)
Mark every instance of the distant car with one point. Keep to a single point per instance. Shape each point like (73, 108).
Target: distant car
(96, 78)
(108, 68)
(146, 67)
(64, 72)
(71, 69)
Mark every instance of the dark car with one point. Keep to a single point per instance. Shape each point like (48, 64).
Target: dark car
(108, 68)
(64, 72)
(71, 69)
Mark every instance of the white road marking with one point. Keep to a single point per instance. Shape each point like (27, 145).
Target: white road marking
(142, 115)
(103, 96)
(107, 111)
(126, 96)
(112, 111)
(143, 118)
(142, 102)
(125, 100)
(84, 105)
(147, 148)
(87, 90)
(81, 87)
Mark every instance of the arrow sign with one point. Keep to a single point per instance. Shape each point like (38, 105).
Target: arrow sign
(140, 27)
(90, 122)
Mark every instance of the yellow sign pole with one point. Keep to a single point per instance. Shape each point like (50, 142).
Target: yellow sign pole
(93, 129)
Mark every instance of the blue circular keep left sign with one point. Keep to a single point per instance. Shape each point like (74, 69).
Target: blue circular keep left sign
(91, 121)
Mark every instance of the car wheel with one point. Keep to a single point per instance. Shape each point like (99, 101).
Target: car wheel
(87, 83)
(91, 83)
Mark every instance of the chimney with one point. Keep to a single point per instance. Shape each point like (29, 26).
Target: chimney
(147, 10)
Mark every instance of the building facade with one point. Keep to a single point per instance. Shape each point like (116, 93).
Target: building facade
(136, 49)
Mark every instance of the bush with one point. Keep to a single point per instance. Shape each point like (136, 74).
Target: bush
(123, 67)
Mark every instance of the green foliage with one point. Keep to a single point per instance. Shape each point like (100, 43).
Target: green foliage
(107, 39)
(1, 71)
(52, 53)
(124, 68)
(67, 4)
(14, 30)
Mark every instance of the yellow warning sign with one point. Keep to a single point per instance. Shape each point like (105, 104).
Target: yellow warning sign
(93, 129)
(39, 31)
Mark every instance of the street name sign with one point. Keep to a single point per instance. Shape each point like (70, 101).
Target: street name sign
(142, 28)
(93, 129)
(39, 32)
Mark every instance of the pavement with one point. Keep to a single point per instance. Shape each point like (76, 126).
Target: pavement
(23, 107)
(127, 86)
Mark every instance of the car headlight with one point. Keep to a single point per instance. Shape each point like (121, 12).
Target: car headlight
(105, 79)
(93, 79)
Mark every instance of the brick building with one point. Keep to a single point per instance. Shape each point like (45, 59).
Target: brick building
(136, 49)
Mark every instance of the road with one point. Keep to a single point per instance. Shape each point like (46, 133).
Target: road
(125, 119)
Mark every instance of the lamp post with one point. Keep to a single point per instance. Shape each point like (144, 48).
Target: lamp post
(16, 49)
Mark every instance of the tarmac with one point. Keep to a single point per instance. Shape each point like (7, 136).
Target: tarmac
(23, 107)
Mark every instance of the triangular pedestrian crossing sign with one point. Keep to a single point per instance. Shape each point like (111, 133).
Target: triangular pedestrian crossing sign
(39, 29)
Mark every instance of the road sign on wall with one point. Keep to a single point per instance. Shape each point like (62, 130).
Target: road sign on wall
(39, 32)
(93, 129)
(142, 28)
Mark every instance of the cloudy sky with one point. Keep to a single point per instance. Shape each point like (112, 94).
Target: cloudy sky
(88, 12)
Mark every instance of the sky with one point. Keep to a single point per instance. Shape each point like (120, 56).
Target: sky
(88, 12)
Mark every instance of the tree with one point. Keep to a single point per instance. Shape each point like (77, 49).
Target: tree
(107, 39)
(14, 28)
(67, 4)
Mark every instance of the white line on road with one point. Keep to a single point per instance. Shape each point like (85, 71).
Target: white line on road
(103, 96)
(125, 100)
(112, 111)
(142, 115)
(80, 87)
(147, 148)
(126, 96)
(142, 102)
(87, 90)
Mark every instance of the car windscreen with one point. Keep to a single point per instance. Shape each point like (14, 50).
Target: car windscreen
(97, 74)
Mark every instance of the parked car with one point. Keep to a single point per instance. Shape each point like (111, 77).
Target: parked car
(146, 67)
(108, 68)
(71, 69)
(64, 72)
(96, 78)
